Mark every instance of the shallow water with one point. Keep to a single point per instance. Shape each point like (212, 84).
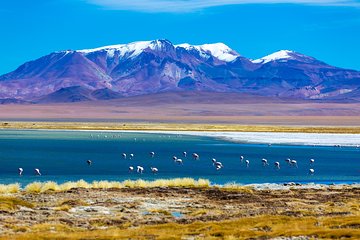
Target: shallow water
(61, 156)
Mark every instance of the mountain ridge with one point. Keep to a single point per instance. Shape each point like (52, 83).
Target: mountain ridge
(148, 67)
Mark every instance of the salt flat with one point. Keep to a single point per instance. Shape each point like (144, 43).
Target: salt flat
(319, 139)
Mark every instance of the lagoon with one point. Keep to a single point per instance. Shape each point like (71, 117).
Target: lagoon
(61, 156)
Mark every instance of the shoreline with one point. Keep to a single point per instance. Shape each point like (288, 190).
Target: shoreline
(186, 182)
(243, 137)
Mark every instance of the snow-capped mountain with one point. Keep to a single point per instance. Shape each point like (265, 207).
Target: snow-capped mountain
(148, 67)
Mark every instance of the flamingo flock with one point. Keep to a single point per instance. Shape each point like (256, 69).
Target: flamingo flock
(217, 165)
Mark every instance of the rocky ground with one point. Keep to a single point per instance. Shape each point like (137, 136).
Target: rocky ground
(331, 211)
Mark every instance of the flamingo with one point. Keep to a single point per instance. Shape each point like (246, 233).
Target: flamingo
(312, 161)
(247, 163)
(288, 160)
(264, 162)
(179, 161)
(294, 163)
(277, 165)
(37, 171)
(185, 154)
(196, 156)
(154, 170)
(124, 155)
(20, 171)
(218, 167)
(174, 158)
(241, 159)
(131, 169)
(311, 171)
(131, 155)
(152, 154)
(139, 169)
(89, 162)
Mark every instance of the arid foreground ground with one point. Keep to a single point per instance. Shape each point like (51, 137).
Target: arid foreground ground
(182, 213)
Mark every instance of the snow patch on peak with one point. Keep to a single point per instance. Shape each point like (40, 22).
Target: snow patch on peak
(129, 50)
(218, 50)
(185, 45)
(279, 55)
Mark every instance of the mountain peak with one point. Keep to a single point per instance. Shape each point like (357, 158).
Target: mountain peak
(283, 56)
(279, 55)
(130, 50)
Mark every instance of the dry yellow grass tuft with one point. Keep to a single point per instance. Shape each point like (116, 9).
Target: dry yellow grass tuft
(39, 187)
(50, 186)
(70, 185)
(9, 188)
(34, 187)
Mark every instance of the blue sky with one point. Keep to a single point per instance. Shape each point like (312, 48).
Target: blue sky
(326, 29)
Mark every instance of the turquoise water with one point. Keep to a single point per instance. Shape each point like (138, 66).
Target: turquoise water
(61, 156)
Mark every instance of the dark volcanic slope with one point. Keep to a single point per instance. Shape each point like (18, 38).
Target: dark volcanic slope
(159, 66)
